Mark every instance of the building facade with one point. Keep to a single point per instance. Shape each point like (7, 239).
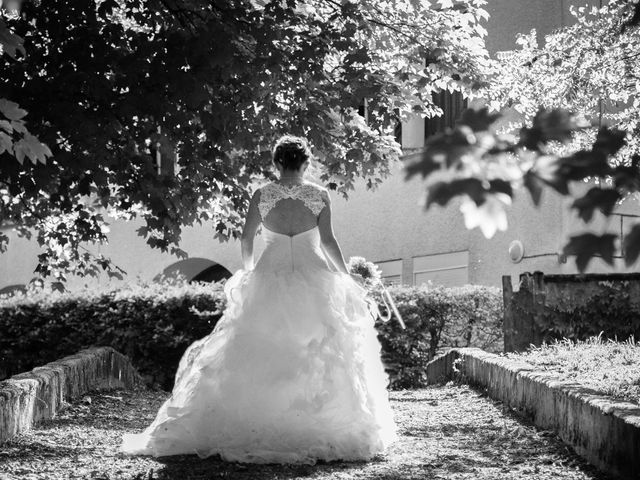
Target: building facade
(389, 226)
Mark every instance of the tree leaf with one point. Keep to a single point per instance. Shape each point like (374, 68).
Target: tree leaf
(6, 126)
(178, 252)
(106, 7)
(500, 186)
(478, 119)
(555, 125)
(583, 164)
(442, 192)
(610, 141)
(355, 154)
(10, 42)
(20, 152)
(32, 148)
(631, 245)
(533, 184)
(589, 245)
(424, 166)
(633, 20)
(6, 143)
(445, 150)
(627, 177)
(11, 110)
(596, 198)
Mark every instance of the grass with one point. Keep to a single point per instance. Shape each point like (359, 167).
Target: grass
(607, 366)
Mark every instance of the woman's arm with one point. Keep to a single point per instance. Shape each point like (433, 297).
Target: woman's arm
(329, 242)
(251, 224)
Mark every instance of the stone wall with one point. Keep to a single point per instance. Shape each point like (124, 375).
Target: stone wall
(36, 395)
(602, 430)
(528, 309)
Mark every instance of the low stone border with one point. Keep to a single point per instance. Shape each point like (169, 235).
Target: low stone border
(32, 396)
(604, 431)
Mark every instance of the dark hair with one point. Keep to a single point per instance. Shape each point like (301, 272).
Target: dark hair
(291, 152)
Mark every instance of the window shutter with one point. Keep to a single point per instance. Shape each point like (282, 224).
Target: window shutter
(452, 104)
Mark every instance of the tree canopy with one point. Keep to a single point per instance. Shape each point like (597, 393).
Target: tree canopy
(590, 68)
(209, 85)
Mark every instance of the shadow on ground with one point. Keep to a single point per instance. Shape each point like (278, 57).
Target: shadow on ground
(448, 432)
(177, 467)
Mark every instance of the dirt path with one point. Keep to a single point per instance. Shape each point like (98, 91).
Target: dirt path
(449, 432)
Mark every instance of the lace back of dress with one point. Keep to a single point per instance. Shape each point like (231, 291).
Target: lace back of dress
(272, 193)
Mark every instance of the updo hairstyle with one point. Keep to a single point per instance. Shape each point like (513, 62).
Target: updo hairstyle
(291, 152)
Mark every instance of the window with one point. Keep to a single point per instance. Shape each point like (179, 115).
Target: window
(165, 158)
(163, 154)
(447, 269)
(413, 133)
(452, 104)
(391, 272)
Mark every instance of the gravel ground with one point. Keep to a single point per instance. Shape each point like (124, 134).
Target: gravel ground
(450, 432)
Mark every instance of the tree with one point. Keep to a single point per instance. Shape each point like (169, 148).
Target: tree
(555, 147)
(15, 139)
(110, 84)
(590, 68)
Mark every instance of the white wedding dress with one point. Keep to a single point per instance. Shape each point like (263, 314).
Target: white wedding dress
(292, 371)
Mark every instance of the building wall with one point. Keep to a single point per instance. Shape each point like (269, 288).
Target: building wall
(127, 250)
(391, 224)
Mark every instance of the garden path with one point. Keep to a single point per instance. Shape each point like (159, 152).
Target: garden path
(447, 432)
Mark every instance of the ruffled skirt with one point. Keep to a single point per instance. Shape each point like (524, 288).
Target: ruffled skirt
(290, 374)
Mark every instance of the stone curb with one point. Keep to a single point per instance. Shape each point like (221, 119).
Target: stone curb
(36, 395)
(602, 430)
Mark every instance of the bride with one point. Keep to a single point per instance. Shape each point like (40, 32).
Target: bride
(291, 373)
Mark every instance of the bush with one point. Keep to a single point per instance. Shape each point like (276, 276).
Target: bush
(153, 325)
(610, 312)
(438, 318)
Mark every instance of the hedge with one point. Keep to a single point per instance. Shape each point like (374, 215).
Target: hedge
(153, 325)
(611, 313)
(438, 318)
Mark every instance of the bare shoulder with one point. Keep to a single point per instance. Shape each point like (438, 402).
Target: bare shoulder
(316, 187)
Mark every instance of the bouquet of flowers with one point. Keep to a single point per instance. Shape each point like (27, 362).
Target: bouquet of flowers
(371, 274)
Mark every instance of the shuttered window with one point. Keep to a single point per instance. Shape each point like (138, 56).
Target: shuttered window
(447, 269)
(391, 271)
(452, 104)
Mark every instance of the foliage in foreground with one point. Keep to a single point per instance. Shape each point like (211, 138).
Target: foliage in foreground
(487, 168)
(154, 324)
(607, 366)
